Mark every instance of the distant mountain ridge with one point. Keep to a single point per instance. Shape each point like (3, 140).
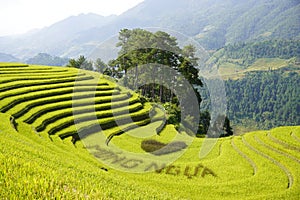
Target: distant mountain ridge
(213, 23)
(8, 58)
(55, 39)
(46, 59)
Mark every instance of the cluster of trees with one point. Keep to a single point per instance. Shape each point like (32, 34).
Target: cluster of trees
(249, 52)
(219, 127)
(141, 47)
(265, 99)
(150, 63)
(83, 63)
(143, 56)
(269, 98)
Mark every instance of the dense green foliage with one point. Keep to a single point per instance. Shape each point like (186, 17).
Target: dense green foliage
(269, 98)
(248, 53)
(141, 47)
(261, 81)
(81, 63)
(100, 66)
(142, 57)
(218, 23)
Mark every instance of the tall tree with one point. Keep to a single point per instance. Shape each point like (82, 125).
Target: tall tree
(140, 47)
(100, 66)
(81, 63)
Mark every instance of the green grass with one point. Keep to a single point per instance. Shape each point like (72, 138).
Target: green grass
(265, 64)
(36, 163)
(233, 69)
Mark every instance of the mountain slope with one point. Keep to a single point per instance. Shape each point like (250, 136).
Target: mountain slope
(8, 58)
(72, 95)
(214, 24)
(55, 39)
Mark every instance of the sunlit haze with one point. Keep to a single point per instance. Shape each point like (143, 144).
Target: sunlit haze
(20, 16)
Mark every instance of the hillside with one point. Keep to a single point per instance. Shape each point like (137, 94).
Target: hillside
(44, 109)
(55, 40)
(212, 23)
(46, 59)
(8, 58)
(59, 101)
(260, 81)
(234, 61)
(257, 165)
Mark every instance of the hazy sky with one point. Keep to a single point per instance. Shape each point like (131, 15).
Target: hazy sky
(19, 16)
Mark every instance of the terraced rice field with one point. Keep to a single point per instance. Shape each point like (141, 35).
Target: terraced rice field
(44, 109)
(63, 102)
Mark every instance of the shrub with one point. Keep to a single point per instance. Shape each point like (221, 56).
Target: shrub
(152, 145)
(171, 148)
(158, 148)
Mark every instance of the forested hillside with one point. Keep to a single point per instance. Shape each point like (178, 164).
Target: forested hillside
(261, 81)
(269, 99)
(248, 53)
(212, 23)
